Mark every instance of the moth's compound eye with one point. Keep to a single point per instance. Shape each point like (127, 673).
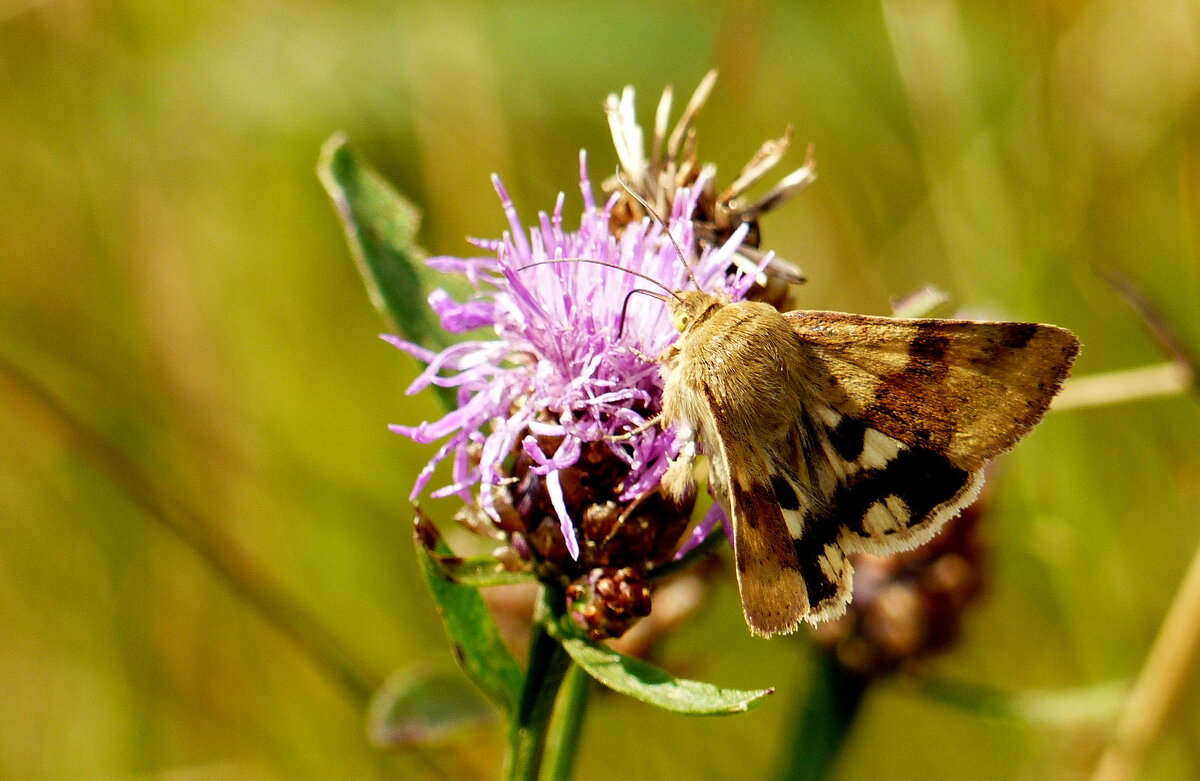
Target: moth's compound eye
(681, 321)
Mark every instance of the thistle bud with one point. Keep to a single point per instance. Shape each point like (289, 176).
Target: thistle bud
(606, 602)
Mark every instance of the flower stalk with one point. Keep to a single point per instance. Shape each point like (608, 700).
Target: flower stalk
(544, 674)
(563, 741)
(824, 720)
(544, 735)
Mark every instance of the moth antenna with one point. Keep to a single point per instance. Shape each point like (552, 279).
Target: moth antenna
(646, 277)
(625, 305)
(666, 230)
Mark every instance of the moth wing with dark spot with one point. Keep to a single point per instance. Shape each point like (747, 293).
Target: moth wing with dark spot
(770, 581)
(964, 389)
(873, 492)
(908, 412)
(817, 537)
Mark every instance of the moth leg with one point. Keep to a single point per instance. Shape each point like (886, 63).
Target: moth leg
(667, 354)
(641, 355)
(633, 432)
(677, 481)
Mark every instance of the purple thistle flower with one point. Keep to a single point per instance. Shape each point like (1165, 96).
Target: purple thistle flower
(563, 371)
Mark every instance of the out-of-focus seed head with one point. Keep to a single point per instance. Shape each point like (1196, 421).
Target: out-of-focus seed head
(909, 606)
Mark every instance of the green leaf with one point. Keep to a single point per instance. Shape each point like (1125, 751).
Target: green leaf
(475, 571)
(418, 706)
(650, 684)
(469, 626)
(1096, 704)
(483, 571)
(381, 227)
(480, 571)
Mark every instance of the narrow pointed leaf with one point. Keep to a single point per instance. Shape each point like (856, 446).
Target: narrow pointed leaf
(652, 685)
(469, 627)
(381, 228)
(476, 571)
(480, 571)
(1098, 703)
(415, 707)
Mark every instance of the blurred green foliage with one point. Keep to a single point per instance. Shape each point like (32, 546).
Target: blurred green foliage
(171, 271)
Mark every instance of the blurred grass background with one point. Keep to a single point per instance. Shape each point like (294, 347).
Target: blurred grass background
(171, 271)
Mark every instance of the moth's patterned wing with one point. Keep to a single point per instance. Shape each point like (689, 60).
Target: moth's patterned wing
(841, 487)
(884, 439)
(902, 417)
(816, 536)
(872, 493)
(962, 388)
(771, 580)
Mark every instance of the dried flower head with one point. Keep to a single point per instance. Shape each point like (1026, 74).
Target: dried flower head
(673, 164)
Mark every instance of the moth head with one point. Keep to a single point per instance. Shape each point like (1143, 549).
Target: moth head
(689, 307)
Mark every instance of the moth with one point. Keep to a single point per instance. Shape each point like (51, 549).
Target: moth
(829, 433)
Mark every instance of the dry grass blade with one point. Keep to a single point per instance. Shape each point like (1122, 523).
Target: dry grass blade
(1176, 647)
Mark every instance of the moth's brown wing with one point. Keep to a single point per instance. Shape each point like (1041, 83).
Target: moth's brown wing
(961, 388)
(869, 492)
(770, 581)
(904, 415)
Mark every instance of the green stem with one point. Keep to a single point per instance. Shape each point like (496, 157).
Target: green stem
(548, 664)
(567, 725)
(825, 719)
